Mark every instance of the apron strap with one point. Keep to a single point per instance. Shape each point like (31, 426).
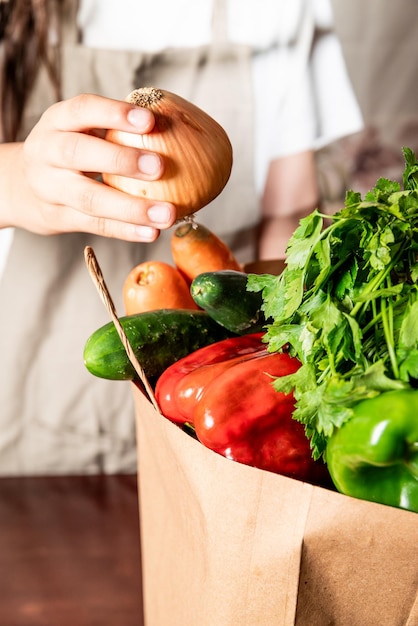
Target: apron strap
(219, 21)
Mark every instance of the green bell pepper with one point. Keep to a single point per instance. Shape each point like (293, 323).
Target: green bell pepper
(374, 455)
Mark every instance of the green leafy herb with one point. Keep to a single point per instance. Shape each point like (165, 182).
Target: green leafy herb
(346, 303)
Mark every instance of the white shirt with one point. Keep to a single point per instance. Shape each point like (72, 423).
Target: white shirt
(304, 109)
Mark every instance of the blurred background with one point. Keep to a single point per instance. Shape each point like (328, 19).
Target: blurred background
(379, 40)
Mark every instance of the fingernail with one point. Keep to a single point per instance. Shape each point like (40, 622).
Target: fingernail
(138, 117)
(159, 213)
(149, 164)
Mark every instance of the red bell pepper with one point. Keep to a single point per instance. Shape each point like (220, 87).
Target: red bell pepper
(180, 386)
(225, 390)
(242, 417)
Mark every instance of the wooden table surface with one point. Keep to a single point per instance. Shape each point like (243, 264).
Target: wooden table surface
(70, 552)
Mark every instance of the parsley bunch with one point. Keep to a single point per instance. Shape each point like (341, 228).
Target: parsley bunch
(346, 304)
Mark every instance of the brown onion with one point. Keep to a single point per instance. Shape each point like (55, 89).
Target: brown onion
(196, 150)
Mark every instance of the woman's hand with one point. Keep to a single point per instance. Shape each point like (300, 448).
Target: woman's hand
(51, 180)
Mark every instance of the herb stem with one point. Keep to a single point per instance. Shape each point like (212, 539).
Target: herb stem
(371, 286)
(387, 321)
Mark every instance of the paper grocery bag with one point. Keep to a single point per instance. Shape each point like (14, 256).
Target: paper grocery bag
(225, 544)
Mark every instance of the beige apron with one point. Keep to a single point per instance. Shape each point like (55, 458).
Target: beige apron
(54, 416)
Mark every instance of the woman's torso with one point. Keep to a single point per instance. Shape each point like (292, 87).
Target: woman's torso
(55, 417)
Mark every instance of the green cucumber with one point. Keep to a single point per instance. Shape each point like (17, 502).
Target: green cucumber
(223, 295)
(158, 338)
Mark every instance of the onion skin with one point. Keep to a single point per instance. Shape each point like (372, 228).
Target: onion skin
(196, 151)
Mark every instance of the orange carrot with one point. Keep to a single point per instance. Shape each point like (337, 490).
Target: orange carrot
(196, 249)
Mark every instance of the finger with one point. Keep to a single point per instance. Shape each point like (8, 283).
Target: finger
(87, 153)
(97, 200)
(71, 221)
(88, 111)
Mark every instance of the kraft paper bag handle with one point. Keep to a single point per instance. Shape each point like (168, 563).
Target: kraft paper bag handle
(100, 283)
